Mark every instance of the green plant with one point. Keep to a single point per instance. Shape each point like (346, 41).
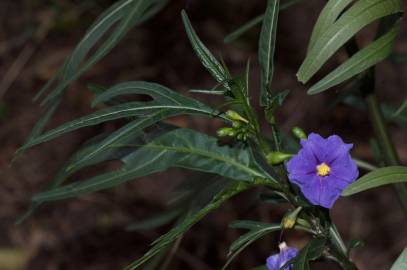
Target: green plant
(146, 145)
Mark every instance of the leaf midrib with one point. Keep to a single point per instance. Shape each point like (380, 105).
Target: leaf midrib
(208, 155)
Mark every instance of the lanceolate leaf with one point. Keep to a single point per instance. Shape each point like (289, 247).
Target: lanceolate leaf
(206, 57)
(113, 153)
(111, 26)
(310, 252)
(361, 61)
(257, 231)
(359, 15)
(328, 16)
(267, 45)
(189, 221)
(257, 20)
(166, 103)
(401, 262)
(379, 177)
(127, 13)
(401, 110)
(179, 148)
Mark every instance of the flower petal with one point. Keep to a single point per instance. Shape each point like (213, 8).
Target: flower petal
(317, 145)
(304, 162)
(345, 168)
(273, 262)
(335, 147)
(276, 261)
(321, 192)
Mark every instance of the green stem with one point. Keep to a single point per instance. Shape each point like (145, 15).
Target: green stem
(365, 165)
(389, 152)
(379, 124)
(337, 239)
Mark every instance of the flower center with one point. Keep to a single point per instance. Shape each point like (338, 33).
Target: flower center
(323, 169)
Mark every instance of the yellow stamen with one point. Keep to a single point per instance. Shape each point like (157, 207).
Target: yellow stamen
(323, 169)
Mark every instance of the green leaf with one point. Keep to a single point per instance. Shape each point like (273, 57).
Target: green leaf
(267, 45)
(359, 15)
(328, 16)
(389, 112)
(243, 29)
(155, 221)
(126, 14)
(376, 178)
(248, 224)
(100, 39)
(179, 148)
(253, 22)
(112, 153)
(207, 59)
(401, 110)
(401, 262)
(257, 231)
(188, 222)
(310, 252)
(166, 103)
(361, 61)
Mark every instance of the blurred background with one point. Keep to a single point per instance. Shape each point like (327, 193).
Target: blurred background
(90, 232)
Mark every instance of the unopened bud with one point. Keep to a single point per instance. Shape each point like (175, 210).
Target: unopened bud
(236, 124)
(275, 158)
(290, 218)
(226, 131)
(232, 115)
(299, 133)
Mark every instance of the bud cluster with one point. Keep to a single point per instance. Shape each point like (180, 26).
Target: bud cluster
(240, 128)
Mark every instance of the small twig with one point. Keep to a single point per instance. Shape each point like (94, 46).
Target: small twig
(365, 165)
(24, 56)
(16, 68)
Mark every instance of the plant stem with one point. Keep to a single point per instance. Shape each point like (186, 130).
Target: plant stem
(365, 165)
(389, 152)
(337, 239)
(379, 124)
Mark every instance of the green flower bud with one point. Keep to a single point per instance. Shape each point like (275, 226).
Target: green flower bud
(226, 131)
(299, 133)
(236, 124)
(234, 116)
(290, 218)
(275, 158)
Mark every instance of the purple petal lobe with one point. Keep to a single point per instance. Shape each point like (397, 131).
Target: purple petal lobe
(276, 261)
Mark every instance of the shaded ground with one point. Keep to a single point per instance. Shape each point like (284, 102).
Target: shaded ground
(89, 232)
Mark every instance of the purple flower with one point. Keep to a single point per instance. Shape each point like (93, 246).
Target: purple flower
(276, 261)
(322, 169)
